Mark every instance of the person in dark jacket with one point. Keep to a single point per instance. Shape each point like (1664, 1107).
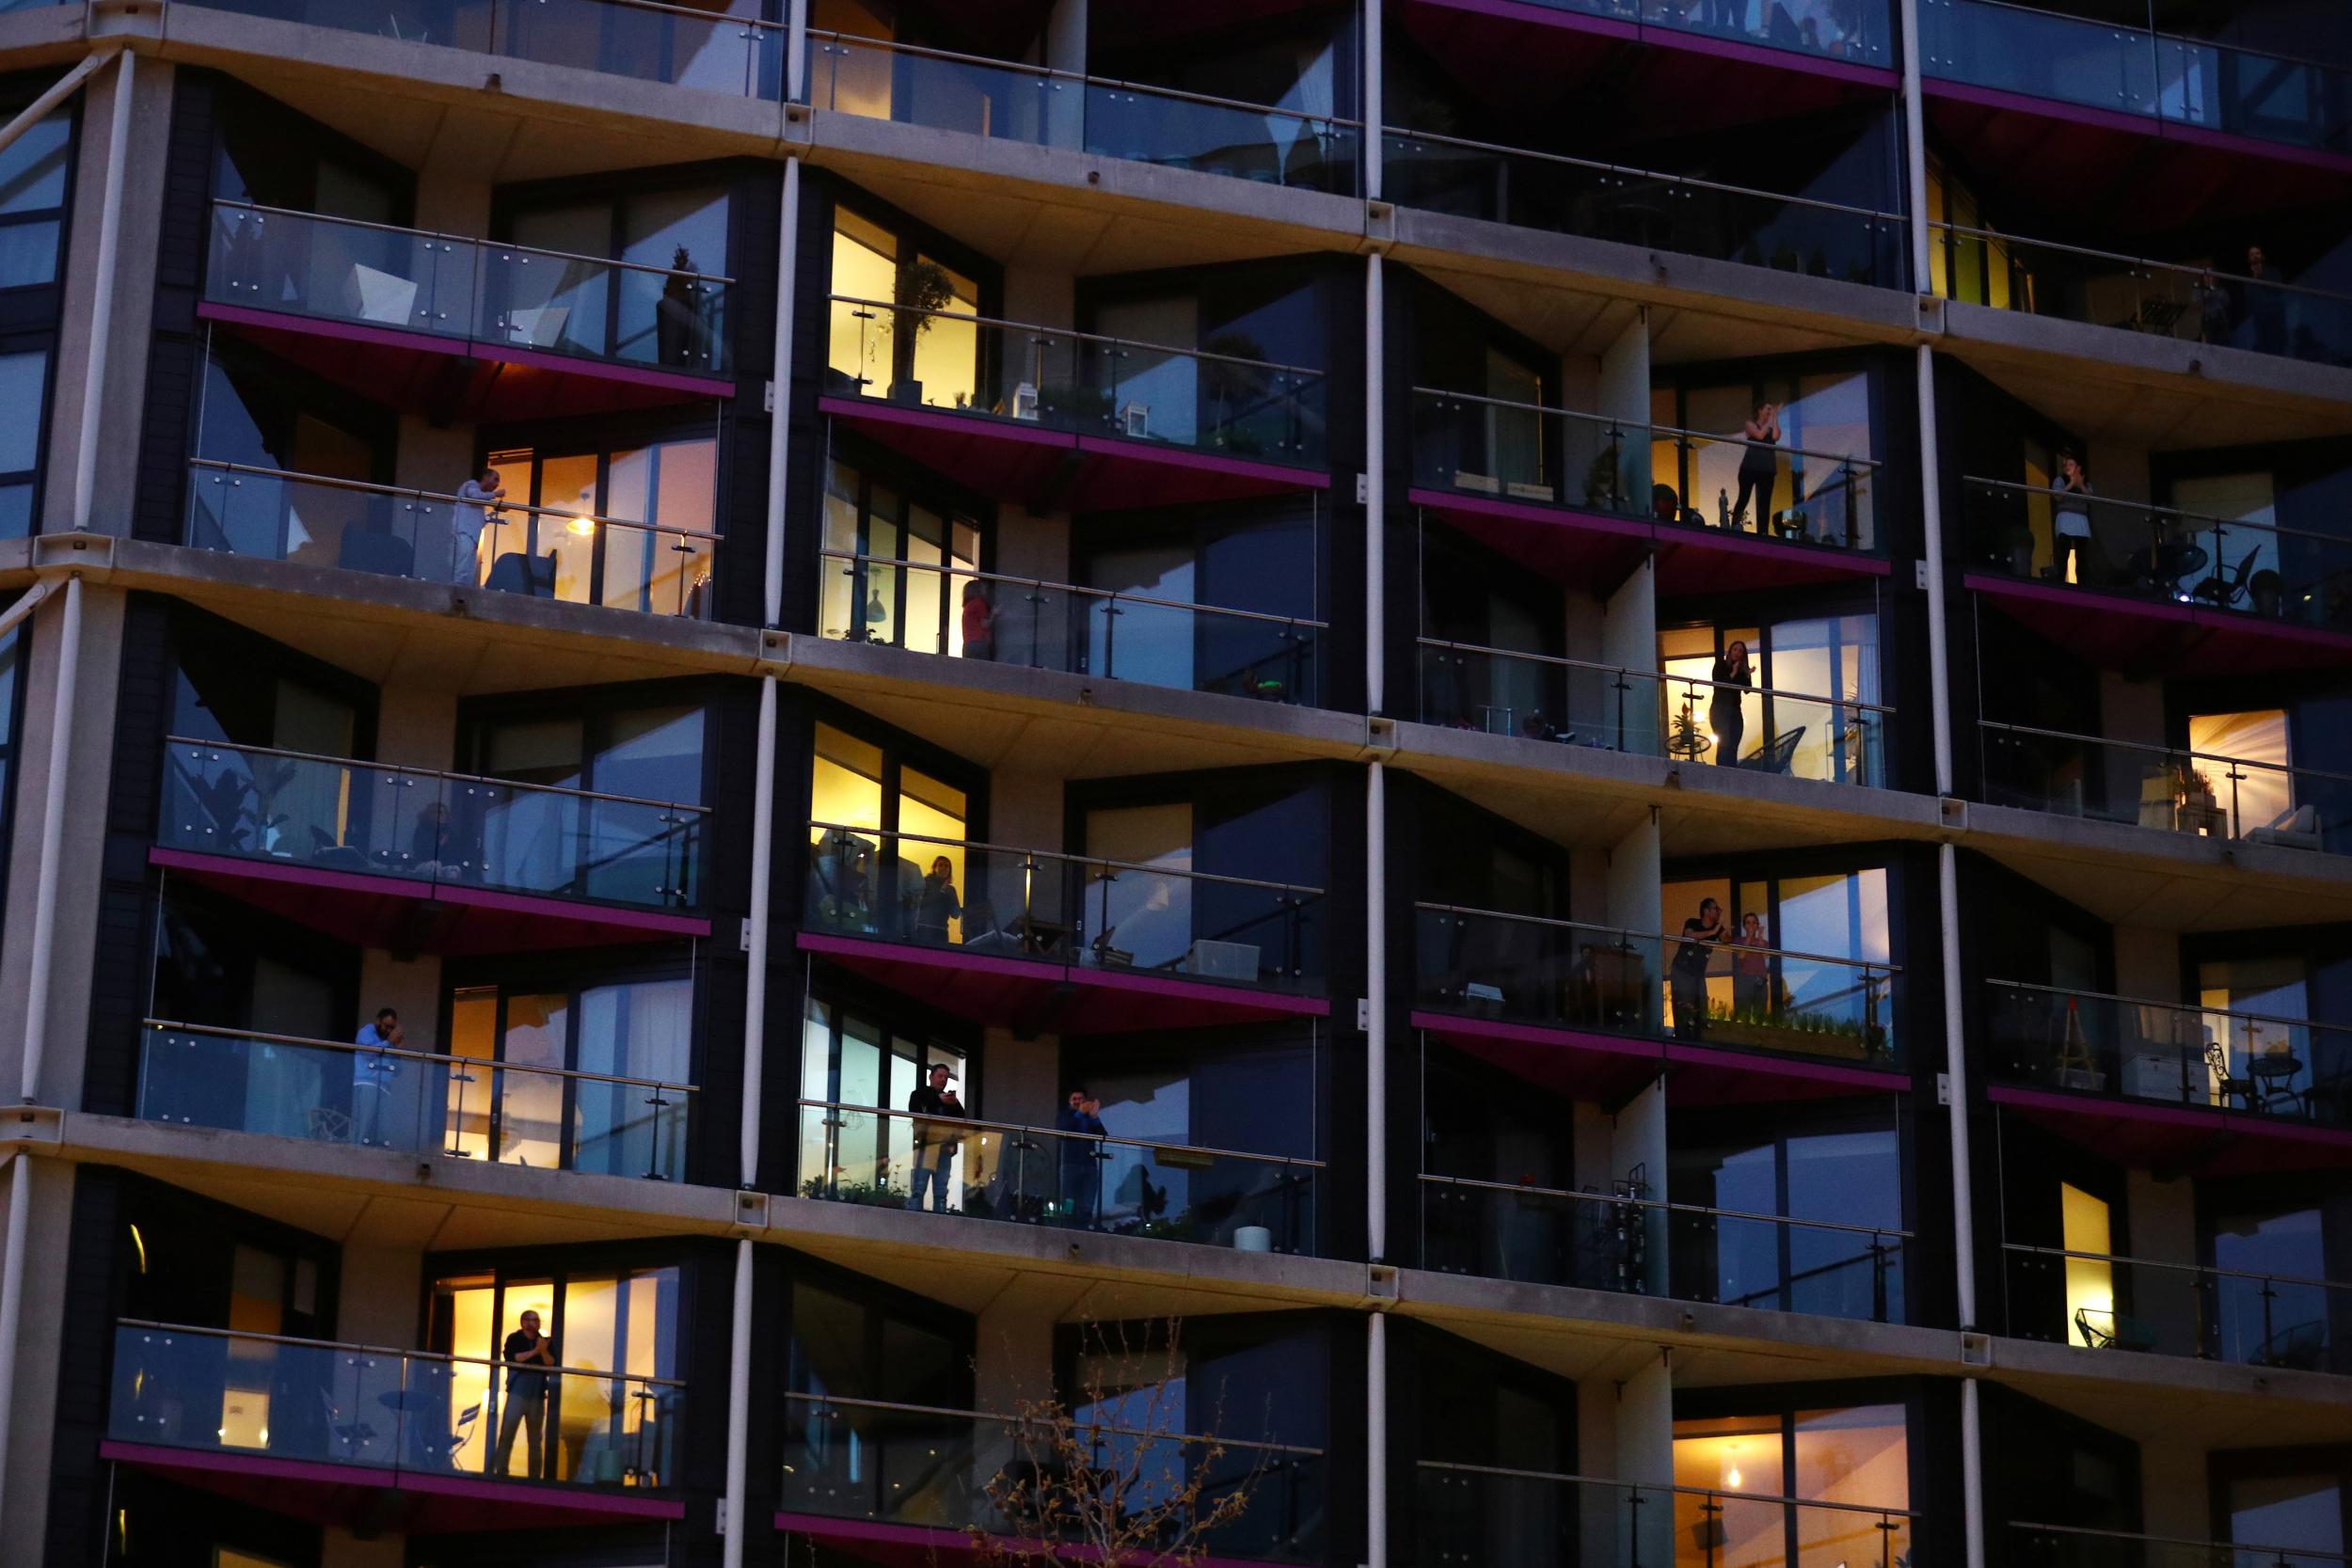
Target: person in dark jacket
(1725, 715)
(1082, 1159)
(935, 1143)
(936, 903)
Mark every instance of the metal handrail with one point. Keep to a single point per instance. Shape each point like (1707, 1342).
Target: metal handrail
(2158, 33)
(492, 507)
(1022, 1129)
(1087, 1427)
(434, 773)
(1052, 74)
(1635, 427)
(2147, 261)
(403, 1355)
(2287, 769)
(1658, 675)
(1665, 1206)
(500, 245)
(2205, 520)
(2214, 1269)
(1081, 337)
(2216, 1547)
(1869, 965)
(946, 569)
(1074, 860)
(1625, 171)
(1672, 1489)
(406, 1054)
(2074, 991)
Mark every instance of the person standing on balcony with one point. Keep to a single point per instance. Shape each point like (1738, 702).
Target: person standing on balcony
(529, 1356)
(1725, 715)
(376, 1077)
(1752, 971)
(1082, 1155)
(483, 495)
(1760, 466)
(2260, 306)
(935, 1143)
(979, 622)
(937, 903)
(1701, 935)
(2069, 525)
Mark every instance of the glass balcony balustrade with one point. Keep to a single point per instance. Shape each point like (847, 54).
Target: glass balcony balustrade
(1602, 1241)
(413, 1101)
(331, 815)
(955, 1470)
(1516, 451)
(1567, 974)
(2180, 790)
(1498, 1516)
(2170, 1054)
(1043, 378)
(1066, 910)
(1292, 145)
(2159, 77)
(1035, 624)
(425, 536)
(1040, 1175)
(1612, 708)
(2105, 1302)
(2033, 1546)
(2194, 303)
(1640, 207)
(731, 51)
(2161, 555)
(501, 297)
(262, 1396)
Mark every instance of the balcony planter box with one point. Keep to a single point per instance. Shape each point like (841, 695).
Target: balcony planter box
(1788, 1041)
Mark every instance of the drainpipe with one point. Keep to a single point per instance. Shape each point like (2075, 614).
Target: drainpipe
(1375, 486)
(1915, 148)
(101, 315)
(780, 387)
(731, 1525)
(1376, 1155)
(1375, 105)
(59, 91)
(1376, 1444)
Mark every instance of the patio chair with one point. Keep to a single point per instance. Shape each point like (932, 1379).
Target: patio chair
(1776, 755)
(2224, 592)
(2102, 1330)
(2296, 828)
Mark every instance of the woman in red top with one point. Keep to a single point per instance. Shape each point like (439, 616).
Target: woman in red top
(1751, 970)
(979, 622)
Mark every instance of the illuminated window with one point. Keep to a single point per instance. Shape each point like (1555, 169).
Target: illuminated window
(2088, 1227)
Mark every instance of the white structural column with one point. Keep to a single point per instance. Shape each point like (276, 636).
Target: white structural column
(1375, 498)
(101, 315)
(1377, 1443)
(1375, 486)
(1914, 148)
(796, 52)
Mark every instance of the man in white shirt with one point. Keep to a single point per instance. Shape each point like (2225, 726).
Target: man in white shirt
(484, 495)
(373, 1078)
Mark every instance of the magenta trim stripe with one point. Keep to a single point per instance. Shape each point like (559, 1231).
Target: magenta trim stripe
(1536, 1034)
(1676, 38)
(1789, 1066)
(1019, 431)
(2084, 600)
(952, 1545)
(1715, 540)
(1207, 462)
(1045, 968)
(2209, 1120)
(2139, 125)
(447, 892)
(327, 1473)
(470, 348)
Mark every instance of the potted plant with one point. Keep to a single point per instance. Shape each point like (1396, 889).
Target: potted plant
(2016, 548)
(923, 291)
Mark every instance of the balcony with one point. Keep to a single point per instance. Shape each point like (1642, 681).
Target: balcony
(1647, 1246)
(1066, 1181)
(1072, 419)
(2071, 1546)
(1036, 624)
(1639, 206)
(2168, 1078)
(2173, 790)
(722, 52)
(384, 310)
(2179, 590)
(421, 861)
(1496, 1517)
(1597, 1011)
(1612, 708)
(540, 553)
(413, 1101)
(327, 1430)
(931, 1481)
(2125, 74)
(1065, 942)
(1582, 498)
(1859, 37)
(2103, 1301)
(2188, 303)
(1036, 107)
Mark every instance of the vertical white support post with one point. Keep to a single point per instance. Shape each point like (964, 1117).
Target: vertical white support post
(13, 1300)
(1376, 1012)
(1915, 152)
(1376, 1442)
(1373, 109)
(780, 416)
(731, 1525)
(101, 313)
(796, 52)
(44, 938)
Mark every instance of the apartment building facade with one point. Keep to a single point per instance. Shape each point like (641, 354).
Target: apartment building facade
(1555, 782)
